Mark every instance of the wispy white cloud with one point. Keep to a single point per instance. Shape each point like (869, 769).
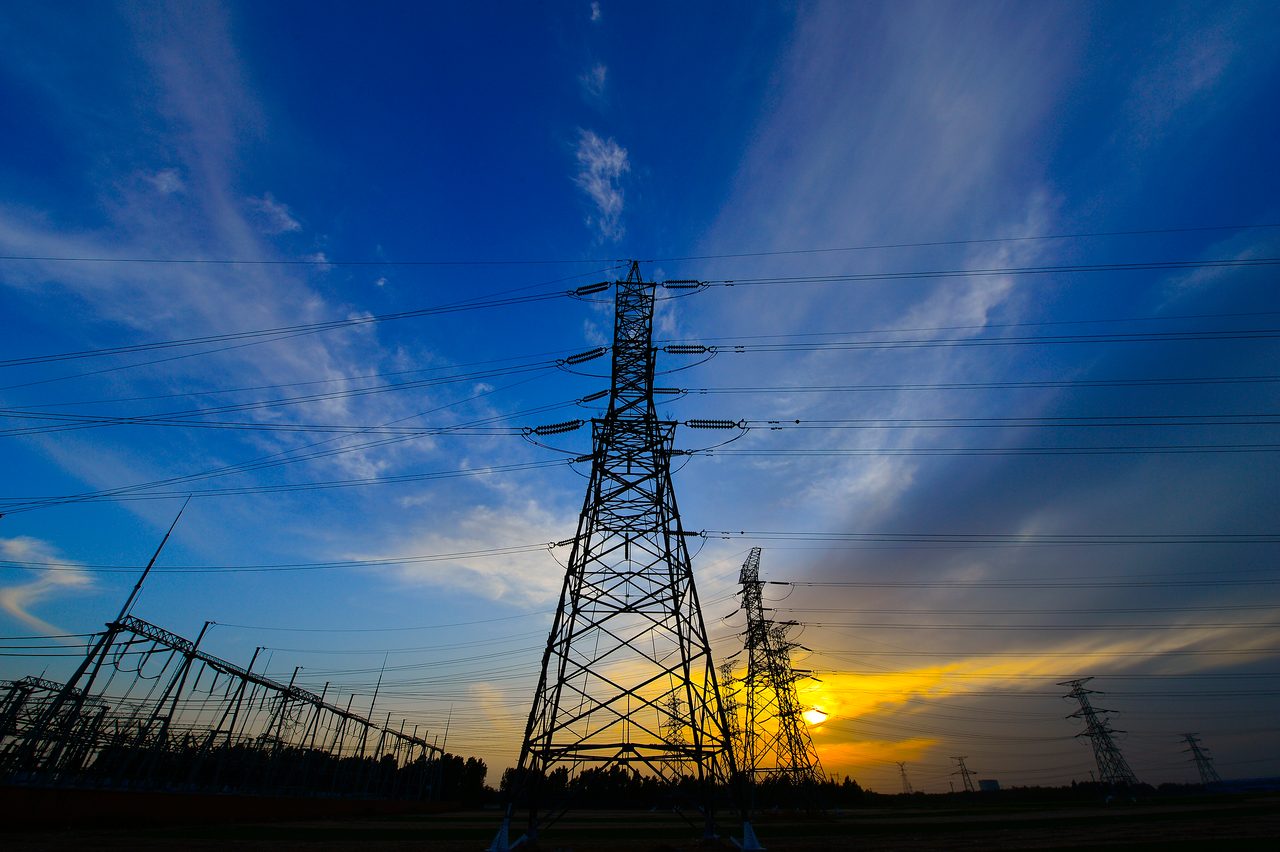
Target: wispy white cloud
(273, 216)
(601, 165)
(593, 81)
(166, 181)
(526, 578)
(595, 11)
(205, 118)
(19, 599)
(1179, 82)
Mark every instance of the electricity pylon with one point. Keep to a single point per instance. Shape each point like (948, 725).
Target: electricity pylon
(1204, 763)
(906, 785)
(628, 661)
(776, 742)
(965, 774)
(1113, 770)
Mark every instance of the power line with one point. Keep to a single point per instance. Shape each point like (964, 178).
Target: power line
(1032, 385)
(1107, 420)
(966, 342)
(1073, 655)
(962, 538)
(993, 271)
(471, 623)
(1037, 611)
(377, 262)
(1254, 314)
(473, 304)
(383, 562)
(1139, 449)
(276, 459)
(969, 242)
(533, 360)
(1224, 625)
(307, 261)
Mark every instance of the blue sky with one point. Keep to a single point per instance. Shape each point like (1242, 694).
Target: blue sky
(577, 135)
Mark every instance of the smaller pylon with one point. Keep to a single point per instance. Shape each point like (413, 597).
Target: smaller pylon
(965, 774)
(906, 785)
(1204, 763)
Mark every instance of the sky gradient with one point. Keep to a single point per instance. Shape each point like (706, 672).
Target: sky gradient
(998, 481)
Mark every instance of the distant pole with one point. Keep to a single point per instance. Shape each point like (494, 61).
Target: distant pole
(906, 785)
(137, 587)
(965, 774)
(1204, 763)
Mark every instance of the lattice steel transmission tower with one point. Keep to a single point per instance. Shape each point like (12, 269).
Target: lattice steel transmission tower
(906, 784)
(1204, 763)
(627, 675)
(1113, 770)
(966, 774)
(776, 742)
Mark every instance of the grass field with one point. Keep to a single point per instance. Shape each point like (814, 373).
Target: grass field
(1225, 823)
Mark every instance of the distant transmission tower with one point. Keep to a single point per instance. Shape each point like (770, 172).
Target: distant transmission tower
(1112, 768)
(966, 775)
(729, 688)
(1204, 763)
(628, 661)
(776, 742)
(906, 785)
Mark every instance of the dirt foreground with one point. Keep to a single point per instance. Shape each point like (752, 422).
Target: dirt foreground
(1241, 822)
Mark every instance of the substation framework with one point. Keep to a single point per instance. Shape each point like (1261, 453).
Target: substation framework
(147, 709)
(627, 679)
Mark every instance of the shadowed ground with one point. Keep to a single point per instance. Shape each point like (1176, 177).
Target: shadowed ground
(1225, 823)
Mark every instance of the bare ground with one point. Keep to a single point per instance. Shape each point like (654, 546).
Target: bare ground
(1235, 823)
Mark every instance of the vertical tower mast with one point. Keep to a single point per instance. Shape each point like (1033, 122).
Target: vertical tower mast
(627, 675)
(776, 742)
(1204, 763)
(965, 773)
(1112, 767)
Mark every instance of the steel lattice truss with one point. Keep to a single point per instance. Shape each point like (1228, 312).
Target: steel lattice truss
(148, 709)
(1113, 769)
(776, 742)
(1204, 763)
(627, 675)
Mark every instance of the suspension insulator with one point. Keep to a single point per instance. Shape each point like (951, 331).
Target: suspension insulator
(583, 357)
(557, 428)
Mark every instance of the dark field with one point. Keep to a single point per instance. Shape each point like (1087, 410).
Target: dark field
(1223, 823)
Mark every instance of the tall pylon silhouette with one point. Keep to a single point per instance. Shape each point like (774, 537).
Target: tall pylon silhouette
(627, 678)
(1113, 769)
(965, 773)
(906, 784)
(1204, 763)
(776, 741)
